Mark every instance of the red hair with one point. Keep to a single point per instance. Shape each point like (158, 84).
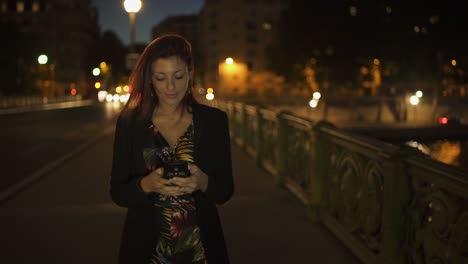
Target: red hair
(143, 99)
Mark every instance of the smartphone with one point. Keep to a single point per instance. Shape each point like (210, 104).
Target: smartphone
(176, 169)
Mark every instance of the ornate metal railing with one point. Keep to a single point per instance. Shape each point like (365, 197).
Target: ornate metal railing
(21, 101)
(387, 203)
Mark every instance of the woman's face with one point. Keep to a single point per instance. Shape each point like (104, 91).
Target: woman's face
(170, 78)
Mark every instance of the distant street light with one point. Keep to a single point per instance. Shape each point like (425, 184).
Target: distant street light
(414, 100)
(313, 103)
(229, 61)
(316, 95)
(96, 71)
(132, 7)
(42, 59)
(419, 94)
(209, 96)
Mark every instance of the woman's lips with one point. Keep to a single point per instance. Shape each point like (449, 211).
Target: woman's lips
(171, 95)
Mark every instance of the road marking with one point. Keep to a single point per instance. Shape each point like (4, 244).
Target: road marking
(19, 186)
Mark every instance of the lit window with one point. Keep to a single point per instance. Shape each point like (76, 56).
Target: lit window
(353, 11)
(35, 7)
(434, 19)
(20, 7)
(267, 26)
(388, 10)
(4, 7)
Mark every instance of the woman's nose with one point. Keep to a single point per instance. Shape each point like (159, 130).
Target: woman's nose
(170, 84)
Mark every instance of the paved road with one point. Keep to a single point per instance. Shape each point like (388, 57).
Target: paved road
(33, 140)
(67, 217)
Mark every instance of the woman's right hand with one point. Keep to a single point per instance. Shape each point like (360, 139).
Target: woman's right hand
(154, 182)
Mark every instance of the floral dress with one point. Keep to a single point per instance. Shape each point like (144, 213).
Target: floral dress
(179, 239)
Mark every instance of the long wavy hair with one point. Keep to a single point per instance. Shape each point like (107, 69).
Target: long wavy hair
(143, 99)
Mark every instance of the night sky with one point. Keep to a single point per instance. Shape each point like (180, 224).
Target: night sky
(112, 16)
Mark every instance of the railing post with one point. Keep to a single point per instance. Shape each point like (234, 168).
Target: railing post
(320, 159)
(282, 148)
(245, 126)
(396, 197)
(259, 136)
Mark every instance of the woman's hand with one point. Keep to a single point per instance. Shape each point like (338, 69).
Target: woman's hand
(198, 180)
(154, 182)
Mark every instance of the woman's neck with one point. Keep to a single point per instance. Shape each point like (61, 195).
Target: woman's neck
(168, 110)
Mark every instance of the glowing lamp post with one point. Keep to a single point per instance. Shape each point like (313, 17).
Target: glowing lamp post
(232, 77)
(132, 7)
(42, 59)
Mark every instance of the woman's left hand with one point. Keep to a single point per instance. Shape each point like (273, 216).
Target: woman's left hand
(198, 180)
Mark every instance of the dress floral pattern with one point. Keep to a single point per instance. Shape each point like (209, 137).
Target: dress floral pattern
(179, 240)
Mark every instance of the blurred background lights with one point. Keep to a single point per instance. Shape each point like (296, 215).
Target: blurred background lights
(313, 103)
(414, 100)
(229, 61)
(118, 89)
(102, 96)
(209, 96)
(96, 71)
(419, 94)
(126, 88)
(124, 98)
(316, 95)
(97, 85)
(42, 59)
(109, 98)
(116, 98)
(132, 6)
(454, 63)
(209, 90)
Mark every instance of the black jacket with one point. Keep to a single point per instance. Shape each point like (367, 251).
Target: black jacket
(212, 155)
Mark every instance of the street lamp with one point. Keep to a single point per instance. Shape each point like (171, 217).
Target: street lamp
(42, 59)
(132, 7)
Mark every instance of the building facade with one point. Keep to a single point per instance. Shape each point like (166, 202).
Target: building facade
(241, 30)
(66, 31)
(183, 25)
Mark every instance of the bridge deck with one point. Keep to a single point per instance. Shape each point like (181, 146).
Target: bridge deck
(265, 224)
(67, 217)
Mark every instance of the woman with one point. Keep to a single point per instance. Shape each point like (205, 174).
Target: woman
(171, 220)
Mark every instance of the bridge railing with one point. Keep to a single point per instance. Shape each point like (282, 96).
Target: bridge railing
(21, 101)
(386, 203)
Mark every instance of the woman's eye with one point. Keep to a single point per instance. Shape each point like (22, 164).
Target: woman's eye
(179, 77)
(159, 79)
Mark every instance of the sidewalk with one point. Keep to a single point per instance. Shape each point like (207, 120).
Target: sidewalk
(265, 224)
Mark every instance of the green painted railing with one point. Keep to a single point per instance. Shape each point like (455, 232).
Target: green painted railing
(387, 204)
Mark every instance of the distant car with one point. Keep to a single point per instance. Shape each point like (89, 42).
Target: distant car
(450, 119)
